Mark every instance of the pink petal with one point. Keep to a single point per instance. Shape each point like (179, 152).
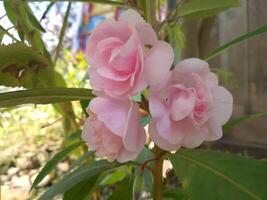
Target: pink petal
(134, 136)
(222, 105)
(160, 141)
(111, 74)
(183, 104)
(188, 66)
(112, 112)
(125, 155)
(215, 131)
(147, 34)
(194, 136)
(132, 17)
(158, 62)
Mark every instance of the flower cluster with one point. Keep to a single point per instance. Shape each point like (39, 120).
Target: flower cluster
(186, 104)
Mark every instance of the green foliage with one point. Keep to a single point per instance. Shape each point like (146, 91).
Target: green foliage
(196, 9)
(82, 190)
(237, 120)
(217, 175)
(124, 190)
(50, 165)
(175, 194)
(21, 65)
(235, 41)
(112, 178)
(79, 175)
(43, 96)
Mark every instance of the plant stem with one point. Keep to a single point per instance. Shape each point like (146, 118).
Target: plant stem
(157, 175)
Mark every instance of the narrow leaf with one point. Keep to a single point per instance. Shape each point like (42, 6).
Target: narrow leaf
(34, 22)
(81, 174)
(234, 42)
(235, 121)
(216, 175)
(43, 96)
(124, 190)
(50, 165)
(199, 9)
(81, 190)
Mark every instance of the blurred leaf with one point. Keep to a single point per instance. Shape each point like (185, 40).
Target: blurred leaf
(21, 65)
(43, 96)
(196, 9)
(34, 22)
(75, 136)
(82, 173)
(11, 14)
(80, 160)
(81, 190)
(112, 178)
(138, 186)
(51, 164)
(2, 33)
(175, 194)
(124, 190)
(234, 42)
(47, 10)
(220, 176)
(145, 120)
(62, 32)
(235, 121)
(84, 105)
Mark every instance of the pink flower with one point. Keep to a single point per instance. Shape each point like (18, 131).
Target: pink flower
(113, 129)
(126, 56)
(188, 108)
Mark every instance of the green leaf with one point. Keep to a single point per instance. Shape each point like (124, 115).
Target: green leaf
(145, 120)
(81, 159)
(81, 174)
(34, 22)
(138, 185)
(124, 190)
(43, 96)
(235, 121)
(84, 105)
(234, 42)
(116, 176)
(220, 176)
(75, 136)
(51, 164)
(81, 190)
(175, 194)
(21, 65)
(196, 9)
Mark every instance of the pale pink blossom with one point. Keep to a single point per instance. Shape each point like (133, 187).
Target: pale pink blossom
(113, 129)
(189, 107)
(125, 56)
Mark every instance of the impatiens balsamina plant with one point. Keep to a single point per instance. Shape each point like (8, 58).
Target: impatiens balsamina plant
(145, 112)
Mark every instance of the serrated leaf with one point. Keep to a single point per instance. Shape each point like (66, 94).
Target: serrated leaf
(80, 174)
(124, 190)
(43, 96)
(216, 175)
(81, 190)
(196, 9)
(51, 164)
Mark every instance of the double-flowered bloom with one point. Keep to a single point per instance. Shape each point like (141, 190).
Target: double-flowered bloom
(186, 104)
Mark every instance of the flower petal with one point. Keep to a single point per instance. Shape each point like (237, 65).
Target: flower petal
(158, 62)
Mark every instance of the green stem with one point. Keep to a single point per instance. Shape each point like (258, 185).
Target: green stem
(157, 175)
(62, 32)
(151, 12)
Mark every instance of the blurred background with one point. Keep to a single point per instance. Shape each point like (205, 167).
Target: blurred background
(30, 135)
